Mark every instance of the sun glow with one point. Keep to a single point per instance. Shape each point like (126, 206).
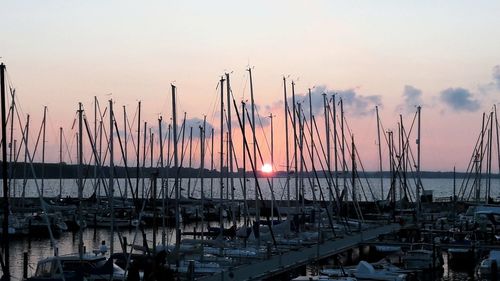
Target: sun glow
(267, 168)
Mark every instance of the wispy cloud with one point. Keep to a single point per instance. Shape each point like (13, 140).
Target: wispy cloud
(496, 76)
(355, 105)
(412, 97)
(196, 123)
(359, 105)
(459, 99)
(492, 87)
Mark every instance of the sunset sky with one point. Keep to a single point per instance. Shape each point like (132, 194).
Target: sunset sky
(442, 55)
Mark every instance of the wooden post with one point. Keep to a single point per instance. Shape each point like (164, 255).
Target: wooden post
(494, 270)
(25, 265)
(125, 244)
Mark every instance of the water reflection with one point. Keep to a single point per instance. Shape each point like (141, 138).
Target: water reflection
(67, 243)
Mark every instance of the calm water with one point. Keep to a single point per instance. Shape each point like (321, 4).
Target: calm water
(68, 242)
(367, 188)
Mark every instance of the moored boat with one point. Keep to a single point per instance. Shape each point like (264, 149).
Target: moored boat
(488, 265)
(75, 267)
(422, 259)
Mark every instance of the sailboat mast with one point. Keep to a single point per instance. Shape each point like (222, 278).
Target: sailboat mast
(254, 156)
(287, 152)
(60, 160)
(212, 165)
(335, 147)
(80, 179)
(301, 154)
(144, 144)
(295, 155)
(402, 160)
(244, 139)
(169, 159)
(221, 225)
(343, 148)
(12, 148)
(153, 184)
(125, 144)
(25, 168)
(111, 177)
(419, 183)
(230, 150)
(169, 166)
(101, 128)
(97, 157)
(227, 166)
(5, 225)
(151, 149)
(353, 171)
(190, 159)
(489, 157)
(497, 134)
(272, 163)
(478, 162)
(162, 181)
(327, 137)
(43, 148)
(312, 132)
(313, 168)
(176, 164)
(380, 157)
(138, 155)
(202, 175)
(181, 167)
(392, 149)
(12, 173)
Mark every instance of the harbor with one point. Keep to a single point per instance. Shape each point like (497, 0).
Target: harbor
(258, 140)
(186, 222)
(352, 244)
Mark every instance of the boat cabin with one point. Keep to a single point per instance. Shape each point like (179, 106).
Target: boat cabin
(75, 268)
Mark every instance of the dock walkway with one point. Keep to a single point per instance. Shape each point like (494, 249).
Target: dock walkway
(443, 246)
(289, 260)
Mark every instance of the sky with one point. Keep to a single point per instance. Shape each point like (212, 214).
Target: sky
(442, 55)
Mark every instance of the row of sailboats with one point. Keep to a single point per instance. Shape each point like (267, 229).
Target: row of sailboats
(307, 221)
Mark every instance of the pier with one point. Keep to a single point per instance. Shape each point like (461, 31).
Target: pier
(287, 261)
(443, 246)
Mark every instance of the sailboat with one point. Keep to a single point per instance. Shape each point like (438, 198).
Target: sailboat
(75, 268)
(79, 266)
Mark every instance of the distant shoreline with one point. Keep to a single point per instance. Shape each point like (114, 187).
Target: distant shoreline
(70, 171)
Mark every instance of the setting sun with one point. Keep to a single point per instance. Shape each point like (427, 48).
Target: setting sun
(267, 168)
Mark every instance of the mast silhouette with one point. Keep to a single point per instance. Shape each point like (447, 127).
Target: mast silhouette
(176, 165)
(230, 150)
(287, 152)
(221, 225)
(380, 156)
(295, 156)
(254, 156)
(111, 178)
(5, 225)
(80, 179)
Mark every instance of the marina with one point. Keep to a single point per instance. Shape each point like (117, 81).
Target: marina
(272, 262)
(244, 223)
(261, 140)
